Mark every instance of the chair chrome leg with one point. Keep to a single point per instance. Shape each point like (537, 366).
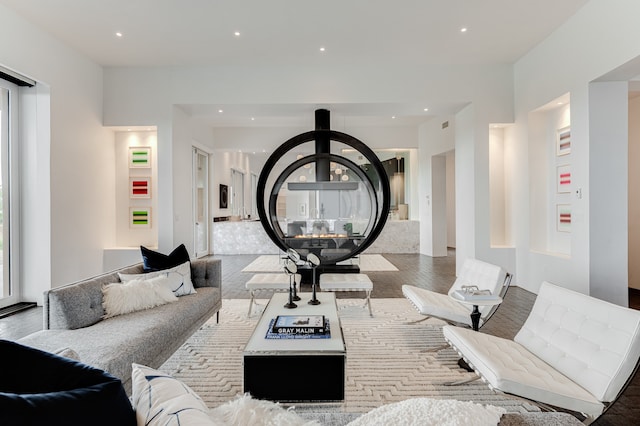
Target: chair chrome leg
(417, 321)
(461, 382)
(436, 349)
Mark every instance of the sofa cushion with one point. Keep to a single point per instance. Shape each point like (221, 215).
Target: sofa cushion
(136, 295)
(179, 278)
(44, 388)
(155, 261)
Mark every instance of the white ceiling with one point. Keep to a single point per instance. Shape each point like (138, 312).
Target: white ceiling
(291, 33)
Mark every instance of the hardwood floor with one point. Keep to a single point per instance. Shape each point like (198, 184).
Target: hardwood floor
(435, 274)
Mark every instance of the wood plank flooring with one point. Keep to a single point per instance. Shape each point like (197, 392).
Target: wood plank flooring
(435, 274)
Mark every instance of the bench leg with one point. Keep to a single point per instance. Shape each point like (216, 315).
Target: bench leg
(368, 302)
(250, 305)
(218, 317)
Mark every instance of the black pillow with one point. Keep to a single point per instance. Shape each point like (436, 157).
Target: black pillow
(154, 261)
(41, 388)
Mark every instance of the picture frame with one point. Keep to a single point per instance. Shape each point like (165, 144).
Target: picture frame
(563, 141)
(563, 217)
(139, 187)
(563, 178)
(140, 217)
(139, 157)
(224, 196)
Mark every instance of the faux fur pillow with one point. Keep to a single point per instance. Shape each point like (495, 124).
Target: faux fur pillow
(431, 412)
(136, 295)
(245, 410)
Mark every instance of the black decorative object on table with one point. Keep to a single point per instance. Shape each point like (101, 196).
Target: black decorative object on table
(314, 261)
(290, 269)
(294, 256)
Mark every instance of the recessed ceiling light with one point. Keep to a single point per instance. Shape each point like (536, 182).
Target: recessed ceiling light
(253, 118)
(426, 109)
(237, 34)
(393, 117)
(118, 34)
(220, 111)
(463, 29)
(322, 49)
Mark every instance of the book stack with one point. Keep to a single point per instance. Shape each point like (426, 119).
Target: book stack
(473, 293)
(299, 324)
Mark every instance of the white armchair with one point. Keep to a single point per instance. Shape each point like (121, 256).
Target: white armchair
(574, 351)
(485, 276)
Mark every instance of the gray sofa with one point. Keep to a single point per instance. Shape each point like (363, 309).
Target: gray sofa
(73, 319)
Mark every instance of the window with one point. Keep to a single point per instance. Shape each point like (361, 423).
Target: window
(9, 293)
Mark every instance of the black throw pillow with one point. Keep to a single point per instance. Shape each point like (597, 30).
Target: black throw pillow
(41, 388)
(154, 261)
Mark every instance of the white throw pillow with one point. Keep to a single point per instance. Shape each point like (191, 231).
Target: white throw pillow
(135, 295)
(159, 399)
(179, 278)
(245, 410)
(427, 411)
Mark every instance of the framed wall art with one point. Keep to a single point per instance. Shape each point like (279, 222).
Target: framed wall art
(563, 141)
(139, 187)
(140, 217)
(563, 217)
(140, 157)
(563, 178)
(224, 196)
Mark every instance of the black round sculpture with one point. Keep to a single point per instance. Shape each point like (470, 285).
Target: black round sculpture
(357, 199)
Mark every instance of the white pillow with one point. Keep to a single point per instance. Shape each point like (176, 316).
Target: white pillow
(426, 412)
(245, 410)
(135, 295)
(179, 278)
(159, 399)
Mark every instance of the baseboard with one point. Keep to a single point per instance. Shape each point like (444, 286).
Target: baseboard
(14, 309)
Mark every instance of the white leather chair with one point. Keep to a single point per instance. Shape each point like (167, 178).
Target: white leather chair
(573, 351)
(485, 276)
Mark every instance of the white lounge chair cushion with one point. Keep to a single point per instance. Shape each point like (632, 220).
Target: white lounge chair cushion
(594, 343)
(509, 367)
(438, 305)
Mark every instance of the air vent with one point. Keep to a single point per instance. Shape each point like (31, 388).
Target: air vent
(445, 124)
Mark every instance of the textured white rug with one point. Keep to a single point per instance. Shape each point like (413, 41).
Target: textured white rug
(367, 263)
(385, 362)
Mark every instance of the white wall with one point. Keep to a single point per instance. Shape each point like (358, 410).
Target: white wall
(451, 198)
(434, 143)
(142, 95)
(634, 192)
(64, 232)
(600, 38)
(609, 182)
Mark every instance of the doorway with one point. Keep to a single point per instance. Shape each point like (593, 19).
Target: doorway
(200, 202)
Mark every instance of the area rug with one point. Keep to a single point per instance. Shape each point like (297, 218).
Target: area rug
(385, 359)
(367, 263)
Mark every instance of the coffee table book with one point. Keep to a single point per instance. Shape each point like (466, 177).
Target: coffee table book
(299, 324)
